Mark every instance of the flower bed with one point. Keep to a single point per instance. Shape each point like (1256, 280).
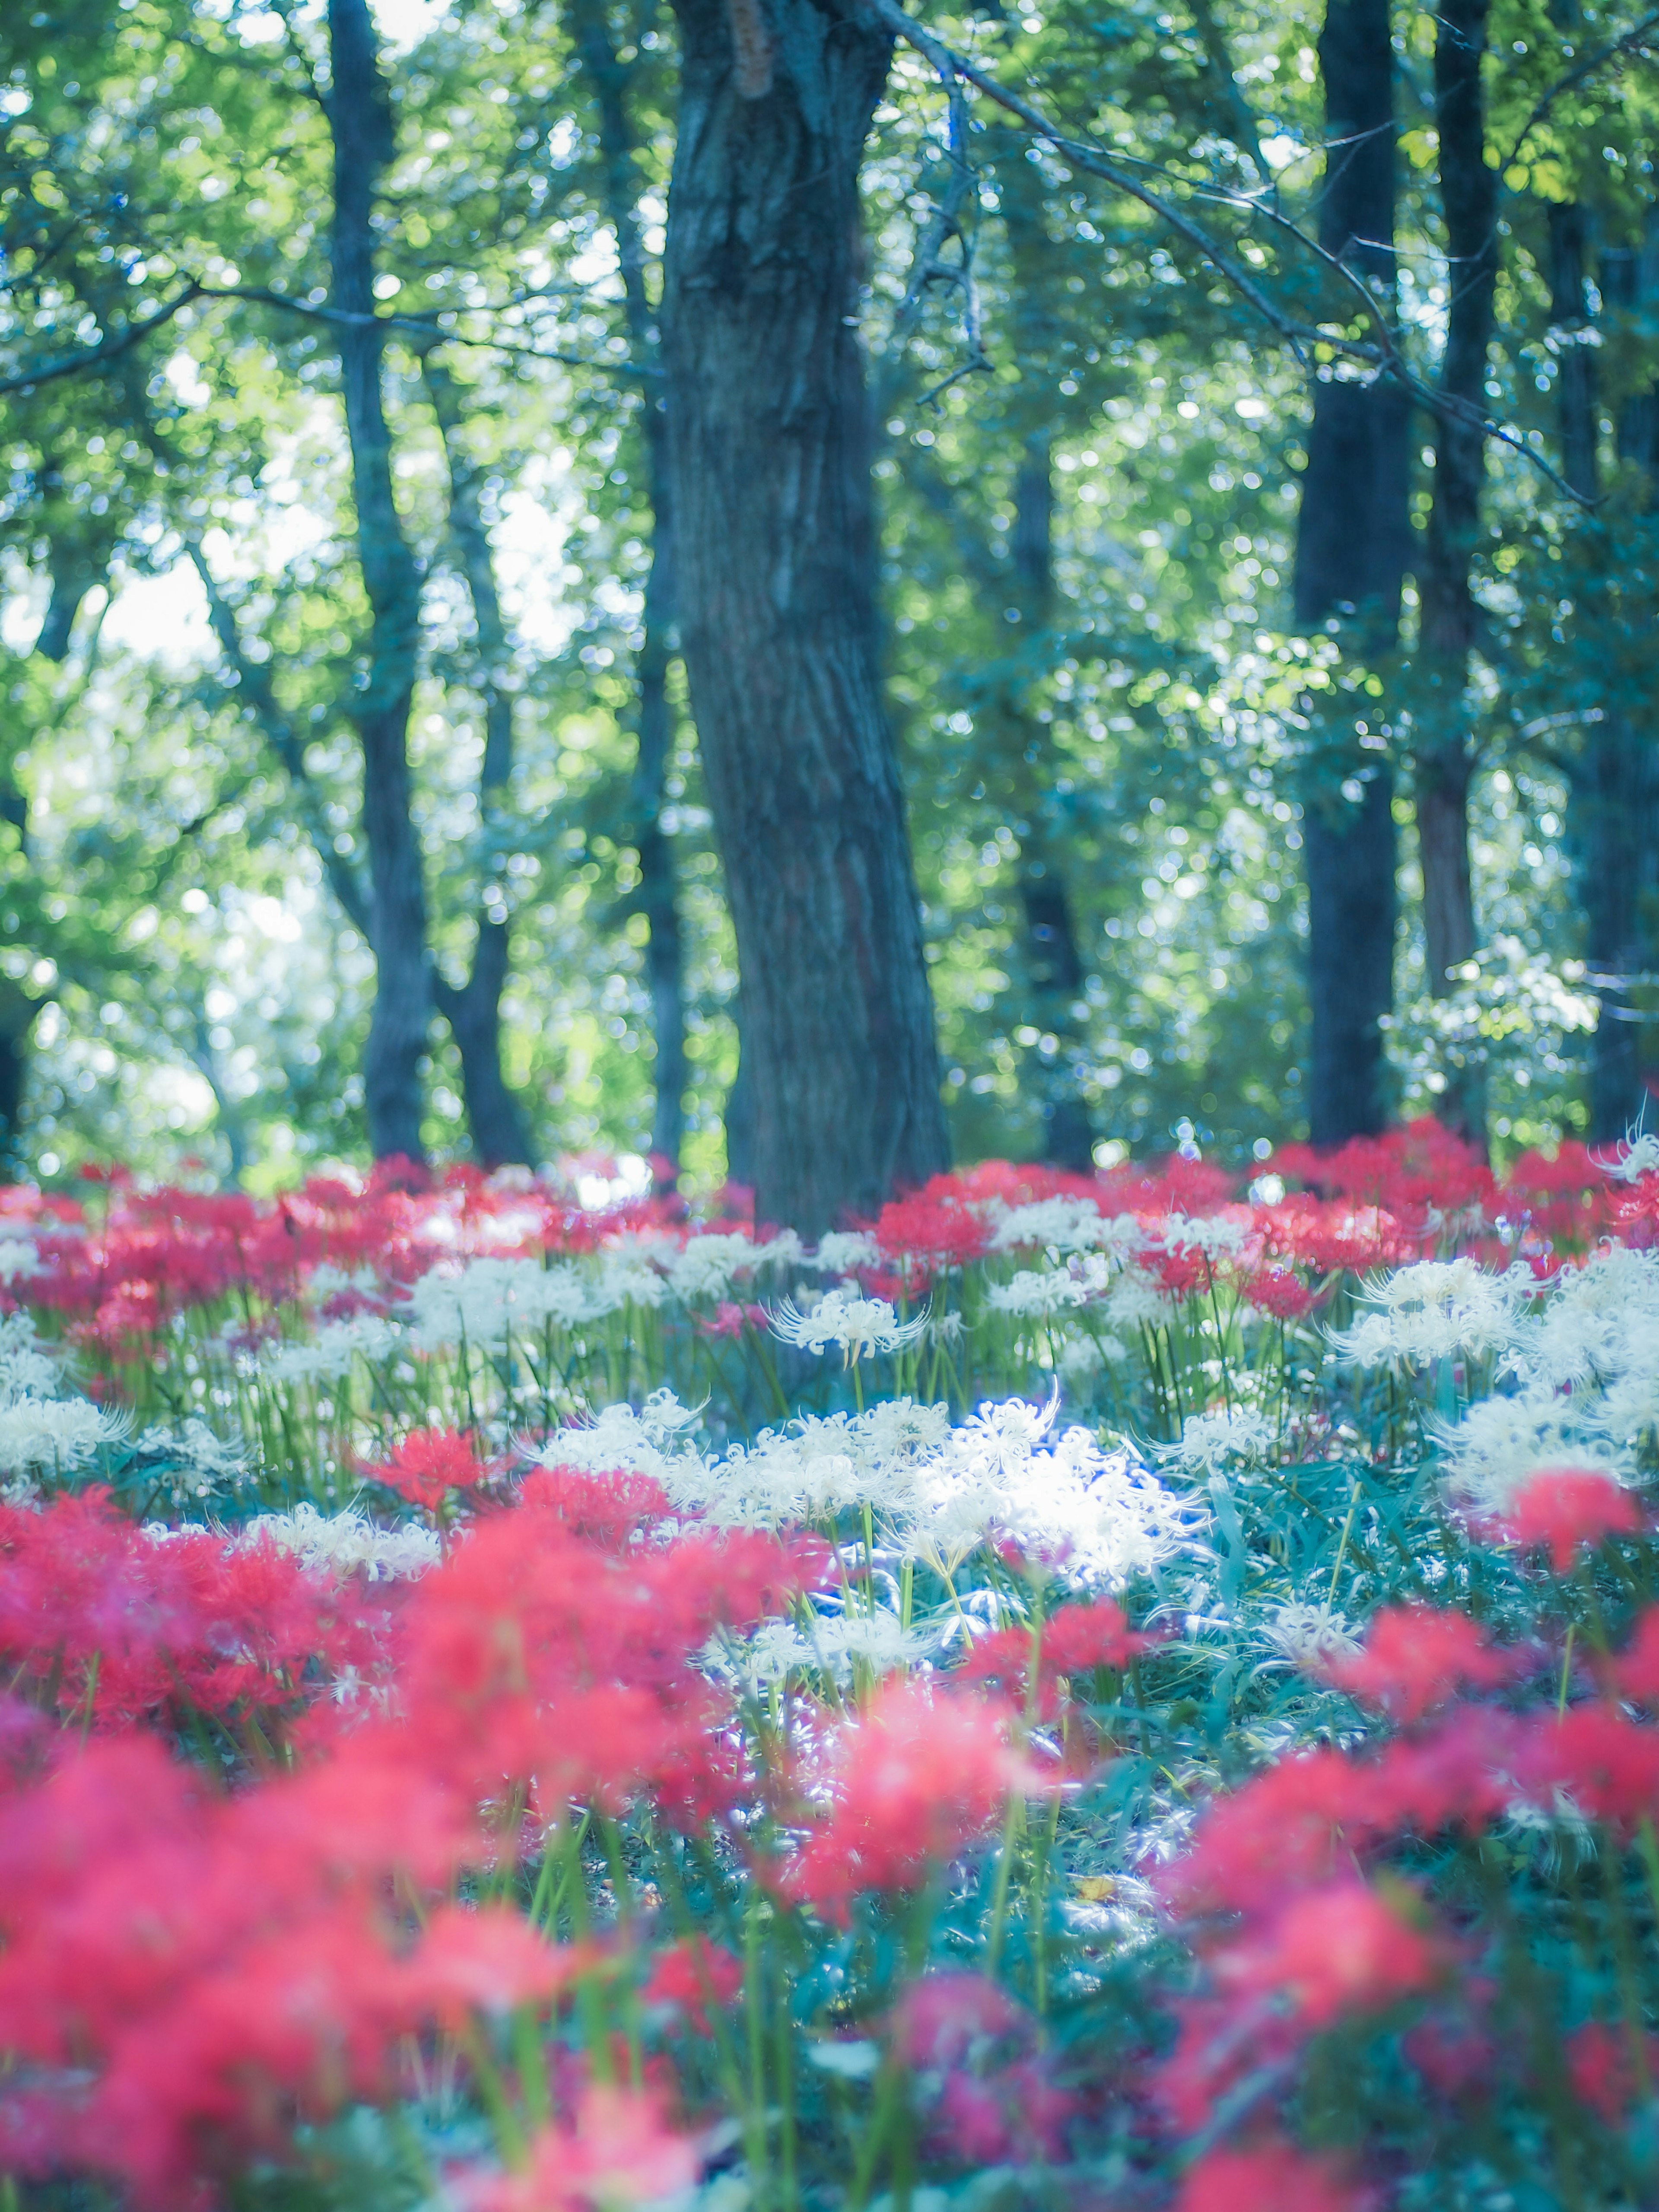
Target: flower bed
(1122, 1692)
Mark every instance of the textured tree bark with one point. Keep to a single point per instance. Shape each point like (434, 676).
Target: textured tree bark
(769, 452)
(1352, 545)
(360, 120)
(659, 897)
(1615, 813)
(473, 1009)
(1449, 623)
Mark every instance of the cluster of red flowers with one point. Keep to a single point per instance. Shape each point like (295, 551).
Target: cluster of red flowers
(118, 1270)
(187, 1968)
(106, 1627)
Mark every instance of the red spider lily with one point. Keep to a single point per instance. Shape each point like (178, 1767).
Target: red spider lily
(1341, 1949)
(1565, 1197)
(607, 1509)
(1295, 1824)
(1416, 1656)
(1074, 1641)
(1274, 2177)
(619, 2151)
(429, 1464)
(1329, 1234)
(1171, 1185)
(1563, 1508)
(917, 1780)
(729, 1318)
(1016, 2115)
(487, 1958)
(1608, 1764)
(692, 1975)
(532, 1652)
(1602, 2068)
(1636, 1672)
(1280, 1291)
(1182, 1273)
(942, 2021)
(991, 2100)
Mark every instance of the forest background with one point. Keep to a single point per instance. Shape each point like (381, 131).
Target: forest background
(1261, 412)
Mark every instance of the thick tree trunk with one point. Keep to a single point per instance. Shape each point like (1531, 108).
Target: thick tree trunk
(1449, 617)
(769, 446)
(1614, 813)
(473, 1009)
(1351, 545)
(659, 897)
(359, 120)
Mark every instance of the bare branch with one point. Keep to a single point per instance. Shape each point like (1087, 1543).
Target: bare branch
(949, 63)
(1383, 356)
(108, 349)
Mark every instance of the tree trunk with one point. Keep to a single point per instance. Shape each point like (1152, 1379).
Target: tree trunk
(769, 448)
(1053, 964)
(473, 1009)
(1352, 541)
(1449, 623)
(1614, 813)
(659, 898)
(359, 118)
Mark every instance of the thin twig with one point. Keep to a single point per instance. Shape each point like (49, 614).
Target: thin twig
(1384, 357)
(1624, 44)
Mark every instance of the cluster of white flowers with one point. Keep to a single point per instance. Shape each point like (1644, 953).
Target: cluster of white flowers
(41, 1435)
(659, 1441)
(19, 1257)
(1584, 1365)
(819, 1465)
(844, 1251)
(1037, 1293)
(196, 1463)
(709, 1265)
(341, 1544)
(1212, 1442)
(1438, 1310)
(328, 1358)
(1213, 1236)
(938, 1491)
(41, 1431)
(832, 1644)
(27, 1369)
(486, 1302)
(1002, 1476)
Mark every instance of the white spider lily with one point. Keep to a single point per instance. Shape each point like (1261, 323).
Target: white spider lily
(1640, 1156)
(860, 1326)
(1210, 1442)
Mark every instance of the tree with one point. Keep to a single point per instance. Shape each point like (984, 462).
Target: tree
(769, 446)
(360, 124)
(659, 893)
(1449, 622)
(1351, 554)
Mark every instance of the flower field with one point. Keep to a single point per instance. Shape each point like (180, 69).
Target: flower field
(1124, 1692)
